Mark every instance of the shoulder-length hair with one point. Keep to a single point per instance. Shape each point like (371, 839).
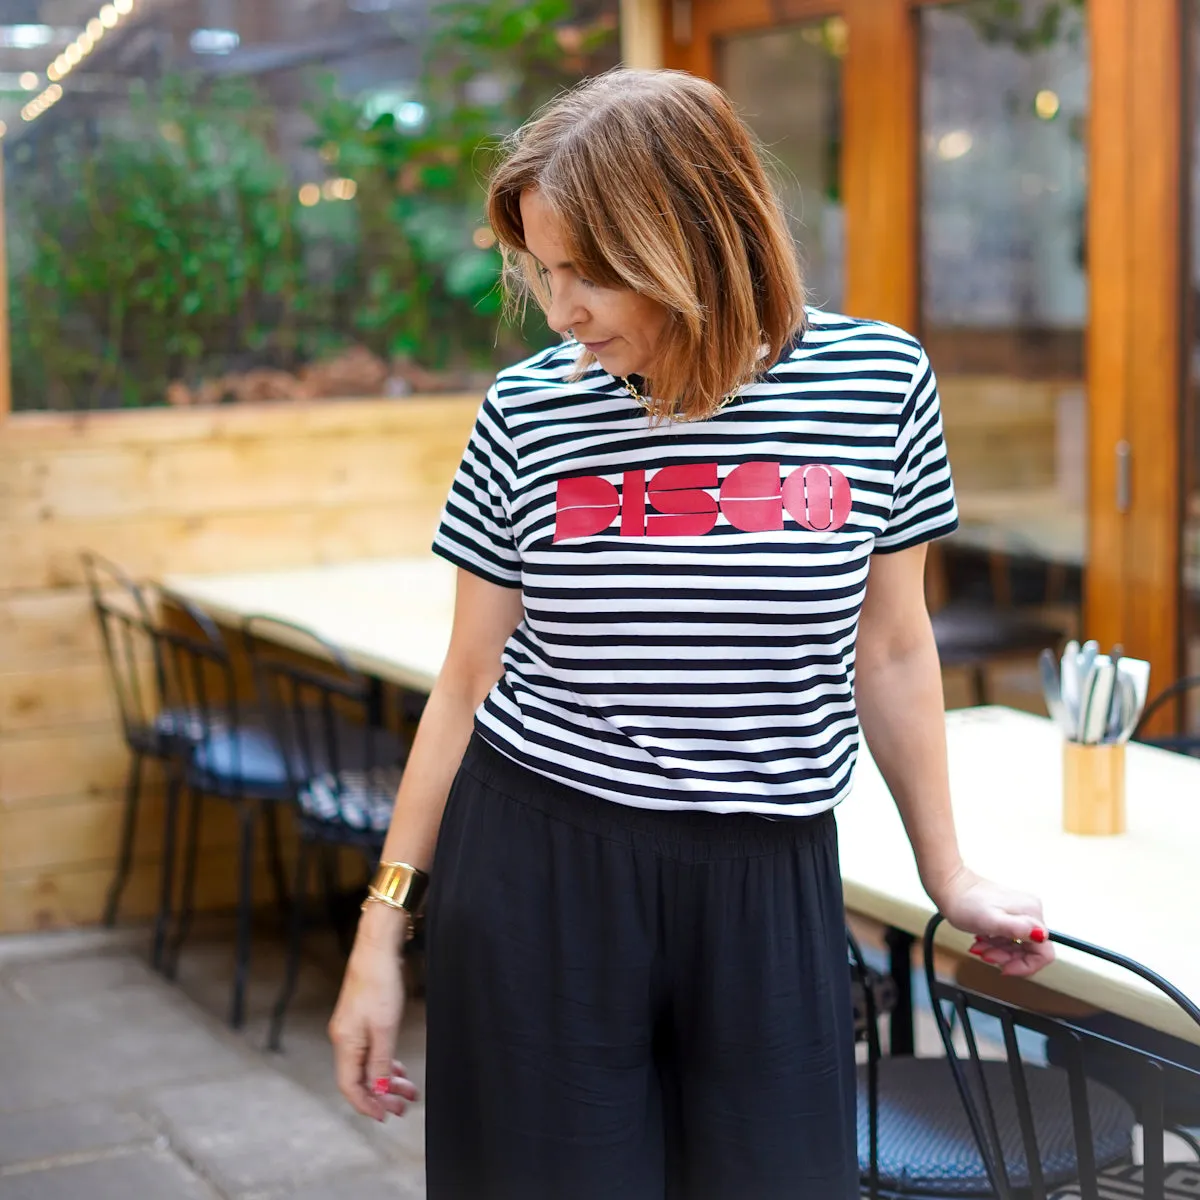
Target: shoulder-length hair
(660, 189)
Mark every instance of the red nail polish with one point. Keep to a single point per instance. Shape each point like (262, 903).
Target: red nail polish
(977, 950)
(1038, 935)
(382, 1086)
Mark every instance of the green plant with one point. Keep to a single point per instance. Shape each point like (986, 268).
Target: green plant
(424, 273)
(168, 243)
(164, 239)
(1028, 25)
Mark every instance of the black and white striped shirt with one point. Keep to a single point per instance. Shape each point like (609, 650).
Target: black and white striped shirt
(692, 590)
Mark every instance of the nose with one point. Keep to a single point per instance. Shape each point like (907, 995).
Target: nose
(564, 312)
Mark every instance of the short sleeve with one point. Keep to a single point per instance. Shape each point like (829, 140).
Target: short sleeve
(923, 506)
(475, 531)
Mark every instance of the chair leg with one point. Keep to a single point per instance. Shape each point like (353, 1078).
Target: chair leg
(166, 890)
(275, 852)
(295, 938)
(979, 687)
(248, 815)
(133, 791)
(187, 899)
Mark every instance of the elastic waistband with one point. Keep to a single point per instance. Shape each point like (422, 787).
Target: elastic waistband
(716, 835)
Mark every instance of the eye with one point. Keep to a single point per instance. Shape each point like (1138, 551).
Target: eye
(587, 283)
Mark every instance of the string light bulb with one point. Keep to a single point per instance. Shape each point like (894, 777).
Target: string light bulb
(109, 17)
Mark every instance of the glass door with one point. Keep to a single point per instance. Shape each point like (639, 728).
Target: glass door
(787, 82)
(1009, 186)
(1003, 298)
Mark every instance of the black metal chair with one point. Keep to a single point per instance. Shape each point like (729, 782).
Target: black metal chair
(232, 756)
(871, 991)
(1012, 1127)
(153, 727)
(976, 633)
(343, 767)
(1181, 743)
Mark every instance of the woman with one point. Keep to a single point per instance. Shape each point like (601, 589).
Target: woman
(691, 543)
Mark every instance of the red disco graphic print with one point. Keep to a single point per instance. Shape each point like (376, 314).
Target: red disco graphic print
(678, 501)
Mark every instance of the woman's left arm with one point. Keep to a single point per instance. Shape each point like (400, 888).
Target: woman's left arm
(898, 691)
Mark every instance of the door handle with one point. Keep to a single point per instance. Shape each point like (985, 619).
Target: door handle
(1124, 476)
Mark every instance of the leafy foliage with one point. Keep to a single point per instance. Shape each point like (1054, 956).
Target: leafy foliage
(1028, 25)
(168, 242)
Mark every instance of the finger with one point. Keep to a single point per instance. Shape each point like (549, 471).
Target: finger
(403, 1087)
(1024, 927)
(1028, 964)
(349, 1057)
(397, 1106)
(380, 1060)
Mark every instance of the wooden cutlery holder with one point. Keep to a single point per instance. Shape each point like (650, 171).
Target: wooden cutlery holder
(1094, 788)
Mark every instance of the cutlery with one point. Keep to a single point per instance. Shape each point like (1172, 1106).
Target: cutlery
(1114, 719)
(1137, 672)
(1052, 688)
(1093, 721)
(1069, 687)
(1124, 705)
(1084, 661)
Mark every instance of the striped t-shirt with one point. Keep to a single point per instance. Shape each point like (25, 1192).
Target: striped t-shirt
(692, 589)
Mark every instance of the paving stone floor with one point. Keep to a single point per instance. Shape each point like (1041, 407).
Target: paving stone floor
(116, 1085)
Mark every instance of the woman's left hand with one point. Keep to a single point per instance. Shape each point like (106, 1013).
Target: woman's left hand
(1009, 929)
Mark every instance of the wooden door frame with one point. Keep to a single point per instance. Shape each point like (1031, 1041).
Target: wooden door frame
(1136, 248)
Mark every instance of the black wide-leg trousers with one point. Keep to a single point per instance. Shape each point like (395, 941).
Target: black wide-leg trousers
(633, 1003)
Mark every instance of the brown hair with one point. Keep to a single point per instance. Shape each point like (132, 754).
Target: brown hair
(660, 189)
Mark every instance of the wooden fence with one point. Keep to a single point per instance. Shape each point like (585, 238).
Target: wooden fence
(162, 492)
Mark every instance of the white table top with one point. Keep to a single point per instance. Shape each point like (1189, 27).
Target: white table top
(391, 616)
(1136, 893)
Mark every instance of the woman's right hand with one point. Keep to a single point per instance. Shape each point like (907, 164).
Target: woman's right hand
(366, 1019)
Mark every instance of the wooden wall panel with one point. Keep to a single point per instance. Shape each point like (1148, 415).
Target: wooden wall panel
(254, 488)
(60, 896)
(54, 697)
(73, 760)
(48, 627)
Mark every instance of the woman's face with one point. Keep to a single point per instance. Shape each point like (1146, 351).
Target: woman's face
(619, 326)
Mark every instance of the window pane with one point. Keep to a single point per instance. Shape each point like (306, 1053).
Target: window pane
(787, 84)
(1004, 303)
(212, 201)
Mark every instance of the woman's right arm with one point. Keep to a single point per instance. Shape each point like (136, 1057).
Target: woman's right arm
(367, 1017)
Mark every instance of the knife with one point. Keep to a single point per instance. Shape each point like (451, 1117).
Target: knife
(1137, 672)
(1098, 697)
(1069, 688)
(1052, 688)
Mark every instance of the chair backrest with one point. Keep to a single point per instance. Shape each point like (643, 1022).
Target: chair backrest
(1182, 743)
(128, 637)
(318, 706)
(1017, 1162)
(200, 689)
(866, 992)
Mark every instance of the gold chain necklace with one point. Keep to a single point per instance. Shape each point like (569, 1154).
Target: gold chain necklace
(642, 402)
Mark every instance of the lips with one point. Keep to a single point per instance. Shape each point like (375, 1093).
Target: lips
(596, 347)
